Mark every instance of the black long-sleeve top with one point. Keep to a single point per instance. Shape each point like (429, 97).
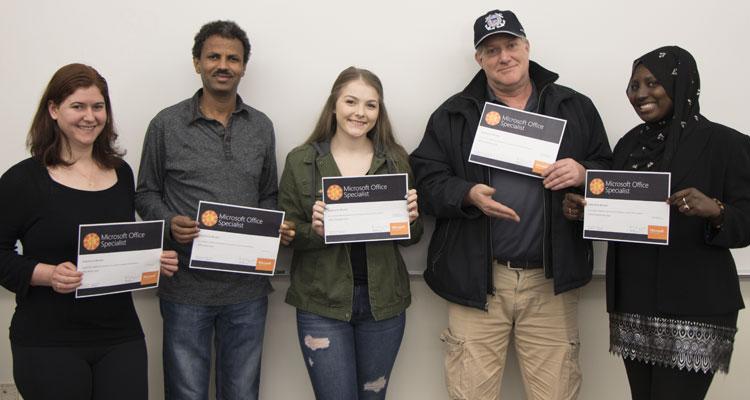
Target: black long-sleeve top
(44, 216)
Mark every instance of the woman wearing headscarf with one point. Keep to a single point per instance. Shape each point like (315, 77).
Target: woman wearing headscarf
(673, 309)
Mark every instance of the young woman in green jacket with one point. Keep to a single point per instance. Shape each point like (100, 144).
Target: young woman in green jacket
(350, 298)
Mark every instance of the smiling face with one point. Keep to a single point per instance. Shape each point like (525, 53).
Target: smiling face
(81, 116)
(357, 109)
(221, 65)
(505, 61)
(648, 97)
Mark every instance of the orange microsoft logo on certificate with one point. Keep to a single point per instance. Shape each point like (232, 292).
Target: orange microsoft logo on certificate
(264, 264)
(335, 192)
(209, 218)
(91, 241)
(149, 277)
(658, 232)
(492, 118)
(399, 228)
(596, 186)
(539, 167)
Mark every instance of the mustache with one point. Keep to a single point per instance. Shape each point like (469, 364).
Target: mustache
(222, 72)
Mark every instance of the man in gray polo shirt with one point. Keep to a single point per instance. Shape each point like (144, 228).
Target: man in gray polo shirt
(210, 147)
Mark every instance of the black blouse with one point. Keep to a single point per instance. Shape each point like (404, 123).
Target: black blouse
(44, 215)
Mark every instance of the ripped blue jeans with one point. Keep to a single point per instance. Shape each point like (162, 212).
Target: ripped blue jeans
(350, 360)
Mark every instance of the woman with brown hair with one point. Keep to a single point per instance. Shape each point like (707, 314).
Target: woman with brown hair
(63, 347)
(350, 298)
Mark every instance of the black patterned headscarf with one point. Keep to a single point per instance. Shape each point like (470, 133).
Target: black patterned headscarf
(676, 71)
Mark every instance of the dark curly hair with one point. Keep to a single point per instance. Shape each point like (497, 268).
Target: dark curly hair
(46, 141)
(225, 29)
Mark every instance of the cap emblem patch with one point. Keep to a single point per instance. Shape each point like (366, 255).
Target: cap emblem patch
(494, 21)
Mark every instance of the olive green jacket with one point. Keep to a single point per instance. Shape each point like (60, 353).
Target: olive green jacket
(321, 275)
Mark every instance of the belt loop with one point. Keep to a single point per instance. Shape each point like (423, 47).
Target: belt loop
(512, 268)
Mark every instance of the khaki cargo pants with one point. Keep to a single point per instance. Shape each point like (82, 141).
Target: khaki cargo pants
(545, 329)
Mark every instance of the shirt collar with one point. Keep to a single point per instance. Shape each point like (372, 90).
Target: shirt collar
(196, 114)
(531, 103)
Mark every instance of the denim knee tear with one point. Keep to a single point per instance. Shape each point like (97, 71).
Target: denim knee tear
(316, 343)
(376, 385)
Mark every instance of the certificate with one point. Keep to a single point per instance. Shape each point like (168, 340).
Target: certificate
(119, 257)
(366, 208)
(516, 141)
(627, 206)
(236, 239)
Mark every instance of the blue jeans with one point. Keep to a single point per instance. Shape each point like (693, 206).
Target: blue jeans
(237, 330)
(350, 360)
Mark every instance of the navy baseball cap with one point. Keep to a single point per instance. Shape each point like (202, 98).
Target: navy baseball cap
(494, 22)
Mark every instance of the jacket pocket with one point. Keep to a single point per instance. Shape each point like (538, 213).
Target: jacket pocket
(439, 243)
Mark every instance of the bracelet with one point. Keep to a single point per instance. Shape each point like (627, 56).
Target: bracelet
(722, 211)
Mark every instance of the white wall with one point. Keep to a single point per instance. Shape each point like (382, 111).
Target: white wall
(422, 52)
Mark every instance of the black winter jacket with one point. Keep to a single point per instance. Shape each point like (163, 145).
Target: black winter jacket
(459, 258)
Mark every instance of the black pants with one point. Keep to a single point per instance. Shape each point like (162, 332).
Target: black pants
(652, 382)
(80, 373)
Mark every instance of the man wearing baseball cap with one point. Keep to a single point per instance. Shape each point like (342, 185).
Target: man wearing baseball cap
(502, 253)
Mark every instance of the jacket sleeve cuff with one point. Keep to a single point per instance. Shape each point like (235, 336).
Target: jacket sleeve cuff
(467, 211)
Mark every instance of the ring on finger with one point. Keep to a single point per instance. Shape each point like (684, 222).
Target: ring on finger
(687, 206)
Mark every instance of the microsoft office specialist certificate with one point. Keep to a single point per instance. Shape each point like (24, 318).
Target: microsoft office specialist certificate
(627, 206)
(119, 257)
(366, 208)
(236, 239)
(516, 141)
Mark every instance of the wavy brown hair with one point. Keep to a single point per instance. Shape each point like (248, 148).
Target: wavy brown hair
(381, 134)
(46, 141)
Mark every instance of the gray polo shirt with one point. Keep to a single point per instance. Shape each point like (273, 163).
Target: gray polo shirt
(511, 241)
(188, 157)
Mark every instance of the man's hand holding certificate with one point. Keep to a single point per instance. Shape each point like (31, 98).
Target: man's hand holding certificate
(627, 206)
(516, 141)
(119, 257)
(366, 208)
(236, 239)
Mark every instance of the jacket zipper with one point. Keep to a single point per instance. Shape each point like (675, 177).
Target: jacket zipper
(490, 281)
(544, 232)
(544, 202)
(351, 303)
(490, 284)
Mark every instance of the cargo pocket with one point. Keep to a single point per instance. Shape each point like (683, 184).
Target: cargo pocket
(570, 382)
(455, 371)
